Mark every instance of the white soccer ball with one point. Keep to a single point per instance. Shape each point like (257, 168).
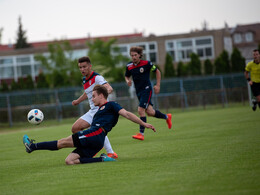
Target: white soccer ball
(35, 116)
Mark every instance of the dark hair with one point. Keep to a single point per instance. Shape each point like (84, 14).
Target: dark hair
(100, 89)
(255, 50)
(84, 59)
(138, 50)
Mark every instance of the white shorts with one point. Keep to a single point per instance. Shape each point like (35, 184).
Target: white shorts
(88, 117)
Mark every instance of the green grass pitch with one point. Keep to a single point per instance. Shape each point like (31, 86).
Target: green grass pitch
(215, 151)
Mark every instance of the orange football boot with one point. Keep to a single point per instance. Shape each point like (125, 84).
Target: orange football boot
(112, 155)
(139, 136)
(169, 120)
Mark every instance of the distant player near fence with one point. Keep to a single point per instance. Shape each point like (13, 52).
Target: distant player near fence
(254, 80)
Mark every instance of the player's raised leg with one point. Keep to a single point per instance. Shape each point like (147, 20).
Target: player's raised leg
(30, 146)
(157, 114)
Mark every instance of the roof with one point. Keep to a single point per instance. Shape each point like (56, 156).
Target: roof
(248, 27)
(78, 41)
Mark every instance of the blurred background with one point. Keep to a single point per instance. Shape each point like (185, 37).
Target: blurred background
(200, 47)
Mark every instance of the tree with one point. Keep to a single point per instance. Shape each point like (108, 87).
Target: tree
(195, 65)
(237, 61)
(21, 41)
(222, 63)
(107, 60)
(182, 69)
(42, 81)
(208, 67)
(59, 64)
(28, 83)
(19, 85)
(4, 86)
(169, 70)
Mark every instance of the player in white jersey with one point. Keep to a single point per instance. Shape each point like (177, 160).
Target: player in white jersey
(90, 80)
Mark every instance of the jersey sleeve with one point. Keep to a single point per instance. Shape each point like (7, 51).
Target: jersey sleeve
(248, 67)
(116, 107)
(100, 80)
(153, 66)
(127, 72)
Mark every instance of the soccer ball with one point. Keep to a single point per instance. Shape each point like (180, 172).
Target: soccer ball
(35, 116)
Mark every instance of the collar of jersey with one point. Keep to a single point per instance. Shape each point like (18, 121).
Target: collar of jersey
(102, 105)
(90, 76)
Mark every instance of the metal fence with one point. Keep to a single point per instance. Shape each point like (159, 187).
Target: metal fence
(175, 93)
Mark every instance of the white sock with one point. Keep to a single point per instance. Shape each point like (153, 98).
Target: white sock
(108, 146)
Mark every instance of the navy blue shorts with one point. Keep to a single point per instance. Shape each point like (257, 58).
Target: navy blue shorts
(145, 98)
(255, 89)
(89, 142)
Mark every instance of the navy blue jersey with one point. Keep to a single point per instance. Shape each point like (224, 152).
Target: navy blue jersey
(107, 116)
(140, 74)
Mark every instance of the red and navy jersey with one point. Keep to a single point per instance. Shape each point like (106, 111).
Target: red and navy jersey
(89, 83)
(107, 116)
(140, 73)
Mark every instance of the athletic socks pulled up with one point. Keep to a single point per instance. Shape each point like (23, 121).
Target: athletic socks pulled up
(142, 127)
(51, 145)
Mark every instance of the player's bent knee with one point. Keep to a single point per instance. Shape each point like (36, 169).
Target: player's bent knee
(150, 113)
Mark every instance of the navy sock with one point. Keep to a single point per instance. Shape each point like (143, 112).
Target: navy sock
(90, 160)
(142, 127)
(158, 114)
(52, 145)
(259, 104)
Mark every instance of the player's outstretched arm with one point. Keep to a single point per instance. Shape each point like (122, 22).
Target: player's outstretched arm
(135, 119)
(80, 99)
(109, 88)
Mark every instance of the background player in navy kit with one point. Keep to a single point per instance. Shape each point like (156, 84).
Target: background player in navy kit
(90, 79)
(140, 72)
(90, 141)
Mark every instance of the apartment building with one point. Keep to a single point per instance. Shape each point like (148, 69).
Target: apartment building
(208, 44)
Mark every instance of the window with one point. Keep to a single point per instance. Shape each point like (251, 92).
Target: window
(6, 61)
(200, 52)
(181, 44)
(202, 46)
(203, 41)
(153, 57)
(151, 46)
(172, 54)
(23, 70)
(208, 52)
(21, 60)
(6, 72)
(143, 46)
(149, 50)
(249, 37)
(122, 49)
(76, 54)
(237, 38)
(170, 45)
